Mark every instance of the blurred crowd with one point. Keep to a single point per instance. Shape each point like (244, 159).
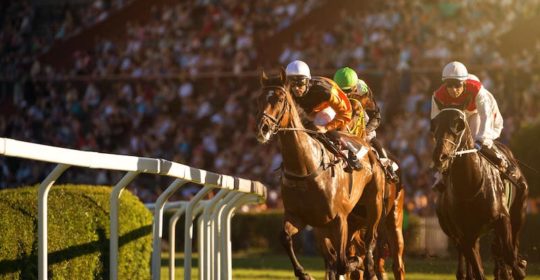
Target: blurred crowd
(30, 28)
(208, 121)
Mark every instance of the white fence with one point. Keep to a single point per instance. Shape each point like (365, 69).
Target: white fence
(213, 224)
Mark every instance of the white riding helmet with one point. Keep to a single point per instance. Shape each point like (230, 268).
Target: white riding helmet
(298, 68)
(455, 70)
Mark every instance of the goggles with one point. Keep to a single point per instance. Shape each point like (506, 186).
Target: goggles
(298, 81)
(349, 90)
(453, 83)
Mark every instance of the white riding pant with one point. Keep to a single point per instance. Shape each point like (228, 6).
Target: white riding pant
(323, 117)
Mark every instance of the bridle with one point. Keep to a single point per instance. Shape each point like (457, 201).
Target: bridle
(275, 121)
(457, 145)
(275, 128)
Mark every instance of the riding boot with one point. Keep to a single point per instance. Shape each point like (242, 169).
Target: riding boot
(387, 166)
(352, 160)
(503, 165)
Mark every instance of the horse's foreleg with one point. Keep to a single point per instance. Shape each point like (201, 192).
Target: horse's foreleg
(517, 219)
(394, 230)
(291, 227)
(325, 239)
(461, 273)
(341, 240)
(373, 217)
(474, 261)
(500, 271)
(504, 232)
(355, 254)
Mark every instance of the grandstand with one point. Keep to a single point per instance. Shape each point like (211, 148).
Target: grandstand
(177, 80)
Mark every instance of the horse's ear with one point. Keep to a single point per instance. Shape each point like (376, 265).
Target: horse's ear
(282, 75)
(264, 78)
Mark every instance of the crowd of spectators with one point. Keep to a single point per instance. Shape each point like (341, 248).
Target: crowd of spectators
(208, 121)
(30, 28)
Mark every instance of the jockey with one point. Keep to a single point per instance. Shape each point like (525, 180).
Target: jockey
(326, 105)
(366, 108)
(464, 91)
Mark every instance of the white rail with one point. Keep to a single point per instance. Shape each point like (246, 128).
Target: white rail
(215, 215)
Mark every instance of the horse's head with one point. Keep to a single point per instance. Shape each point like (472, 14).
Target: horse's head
(451, 132)
(274, 104)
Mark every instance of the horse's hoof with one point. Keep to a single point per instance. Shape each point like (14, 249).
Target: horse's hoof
(519, 272)
(522, 263)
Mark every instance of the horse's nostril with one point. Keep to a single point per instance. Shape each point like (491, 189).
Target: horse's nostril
(264, 129)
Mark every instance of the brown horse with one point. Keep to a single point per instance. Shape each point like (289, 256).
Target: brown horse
(315, 188)
(474, 200)
(390, 231)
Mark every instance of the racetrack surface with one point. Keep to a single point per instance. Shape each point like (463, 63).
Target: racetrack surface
(262, 266)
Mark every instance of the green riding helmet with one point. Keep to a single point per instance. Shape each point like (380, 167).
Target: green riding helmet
(346, 78)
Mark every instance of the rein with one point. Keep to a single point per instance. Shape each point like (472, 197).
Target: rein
(275, 121)
(275, 129)
(457, 145)
(309, 131)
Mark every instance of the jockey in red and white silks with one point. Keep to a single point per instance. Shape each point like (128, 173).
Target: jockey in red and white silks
(483, 115)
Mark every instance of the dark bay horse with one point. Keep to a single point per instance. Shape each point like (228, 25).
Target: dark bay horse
(474, 200)
(315, 189)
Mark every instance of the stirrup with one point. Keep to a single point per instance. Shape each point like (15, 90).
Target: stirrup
(353, 161)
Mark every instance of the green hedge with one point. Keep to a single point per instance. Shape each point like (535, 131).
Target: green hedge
(525, 147)
(258, 230)
(78, 243)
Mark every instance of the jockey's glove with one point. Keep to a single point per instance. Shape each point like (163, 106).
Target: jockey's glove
(486, 142)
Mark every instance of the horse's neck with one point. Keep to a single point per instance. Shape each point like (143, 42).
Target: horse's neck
(301, 153)
(467, 170)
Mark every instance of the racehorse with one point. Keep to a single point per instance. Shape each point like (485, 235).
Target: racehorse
(390, 231)
(315, 188)
(474, 200)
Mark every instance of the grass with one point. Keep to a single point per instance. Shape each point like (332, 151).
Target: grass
(264, 266)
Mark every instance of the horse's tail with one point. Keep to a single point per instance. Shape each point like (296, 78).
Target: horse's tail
(510, 156)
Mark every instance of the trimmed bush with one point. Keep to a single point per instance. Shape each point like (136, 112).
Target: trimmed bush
(257, 230)
(78, 228)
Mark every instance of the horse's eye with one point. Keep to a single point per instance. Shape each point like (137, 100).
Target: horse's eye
(274, 99)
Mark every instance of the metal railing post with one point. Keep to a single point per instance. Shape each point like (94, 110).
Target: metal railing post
(188, 230)
(206, 242)
(113, 215)
(42, 218)
(158, 228)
